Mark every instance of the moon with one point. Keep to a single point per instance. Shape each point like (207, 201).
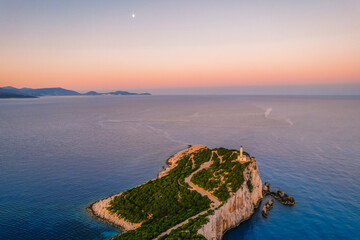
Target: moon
(133, 15)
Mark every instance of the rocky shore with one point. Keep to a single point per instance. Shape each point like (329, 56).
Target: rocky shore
(267, 207)
(279, 195)
(99, 210)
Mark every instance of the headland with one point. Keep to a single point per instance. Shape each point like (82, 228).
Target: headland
(200, 195)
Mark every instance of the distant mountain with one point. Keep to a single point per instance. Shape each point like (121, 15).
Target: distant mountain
(49, 92)
(33, 92)
(126, 93)
(10, 90)
(6, 94)
(92, 93)
(40, 91)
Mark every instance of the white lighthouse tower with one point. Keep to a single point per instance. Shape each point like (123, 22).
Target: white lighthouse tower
(242, 158)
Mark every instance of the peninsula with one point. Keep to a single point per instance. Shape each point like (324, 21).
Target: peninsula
(200, 195)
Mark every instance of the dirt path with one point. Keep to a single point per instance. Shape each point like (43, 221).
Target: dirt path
(176, 157)
(199, 190)
(180, 224)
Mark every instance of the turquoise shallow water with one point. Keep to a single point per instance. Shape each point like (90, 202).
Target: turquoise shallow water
(59, 154)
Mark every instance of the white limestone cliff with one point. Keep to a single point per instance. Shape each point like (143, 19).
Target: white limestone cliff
(238, 208)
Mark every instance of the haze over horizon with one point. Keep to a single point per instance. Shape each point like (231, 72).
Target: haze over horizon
(181, 47)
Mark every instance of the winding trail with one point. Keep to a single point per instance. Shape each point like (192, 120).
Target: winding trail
(200, 190)
(180, 224)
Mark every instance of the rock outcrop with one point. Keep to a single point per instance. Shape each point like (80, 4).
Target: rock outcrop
(238, 208)
(279, 195)
(269, 205)
(283, 198)
(266, 189)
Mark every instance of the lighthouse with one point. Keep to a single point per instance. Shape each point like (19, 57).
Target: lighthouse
(241, 158)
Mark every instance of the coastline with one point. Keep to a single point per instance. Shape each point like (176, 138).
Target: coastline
(238, 208)
(172, 161)
(99, 210)
(257, 205)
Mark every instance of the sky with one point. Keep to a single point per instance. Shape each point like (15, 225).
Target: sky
(98, 45)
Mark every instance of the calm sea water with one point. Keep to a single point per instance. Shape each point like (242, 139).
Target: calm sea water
(59, 154)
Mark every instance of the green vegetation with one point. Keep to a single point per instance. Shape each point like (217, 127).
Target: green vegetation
(165, 202)
(162, 203)
(222, 193)
(205, 179)
(189, 230)
(201, 157)
(249, 184)
(223, 177)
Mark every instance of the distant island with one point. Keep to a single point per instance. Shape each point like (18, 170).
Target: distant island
(5, 94)
(200, 195)
(11, 92)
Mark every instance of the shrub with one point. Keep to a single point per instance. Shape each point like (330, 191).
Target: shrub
(249, 184)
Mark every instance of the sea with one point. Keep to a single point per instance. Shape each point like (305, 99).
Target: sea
(60, 154)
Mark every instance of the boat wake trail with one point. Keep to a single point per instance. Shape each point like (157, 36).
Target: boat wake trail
(288, 120)
(165, 134)
(267, 112)
(135, 124)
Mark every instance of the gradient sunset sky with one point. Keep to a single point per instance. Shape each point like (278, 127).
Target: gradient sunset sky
(95, 45)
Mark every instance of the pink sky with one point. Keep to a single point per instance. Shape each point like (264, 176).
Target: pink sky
(168, 45)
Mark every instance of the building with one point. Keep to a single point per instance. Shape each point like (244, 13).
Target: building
(243, 158)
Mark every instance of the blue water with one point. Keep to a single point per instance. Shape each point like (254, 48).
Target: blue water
(59, 154)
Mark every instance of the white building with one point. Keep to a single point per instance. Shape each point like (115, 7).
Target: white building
(243, 158)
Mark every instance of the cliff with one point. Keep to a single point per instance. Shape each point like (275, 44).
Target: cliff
(238, 208)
